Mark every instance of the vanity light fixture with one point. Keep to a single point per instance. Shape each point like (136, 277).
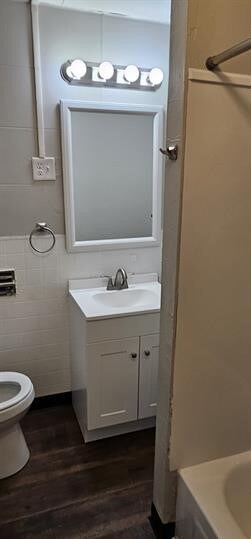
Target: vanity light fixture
(131, 73)
(76, 69)
(156, 76)
(106, 70)
(130, 77)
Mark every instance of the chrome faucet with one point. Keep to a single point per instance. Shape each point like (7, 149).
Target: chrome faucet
(120, 281)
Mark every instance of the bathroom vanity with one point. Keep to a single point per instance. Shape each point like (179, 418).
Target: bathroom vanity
(114, 349)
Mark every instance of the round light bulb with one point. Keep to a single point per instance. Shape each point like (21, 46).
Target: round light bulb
(131, 73)
(77, 69)
(156, 76)
(106, 70)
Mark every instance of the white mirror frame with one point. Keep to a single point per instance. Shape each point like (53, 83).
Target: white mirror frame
(158, 173)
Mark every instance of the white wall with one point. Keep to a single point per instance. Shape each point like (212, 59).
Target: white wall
(22, 201)
(69, 34)
(64, 34)
(164, 491)
(34, 325)
(154, 11)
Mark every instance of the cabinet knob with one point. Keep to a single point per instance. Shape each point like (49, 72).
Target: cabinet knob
(147, 353)
(133, 355)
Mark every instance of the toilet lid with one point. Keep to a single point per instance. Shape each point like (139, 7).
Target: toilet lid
(14, 387)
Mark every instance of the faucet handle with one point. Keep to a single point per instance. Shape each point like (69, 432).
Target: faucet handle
(110, 285)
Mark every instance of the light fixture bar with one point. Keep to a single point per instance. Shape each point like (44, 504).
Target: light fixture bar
(117, 79)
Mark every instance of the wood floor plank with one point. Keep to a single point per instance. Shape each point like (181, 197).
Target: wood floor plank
(96, 517)
(70, 490)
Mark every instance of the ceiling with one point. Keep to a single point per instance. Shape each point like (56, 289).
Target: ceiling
(148, 10)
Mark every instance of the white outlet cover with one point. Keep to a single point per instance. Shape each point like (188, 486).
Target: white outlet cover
(43, 168)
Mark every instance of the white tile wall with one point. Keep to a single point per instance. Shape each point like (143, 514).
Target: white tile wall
(34, 328)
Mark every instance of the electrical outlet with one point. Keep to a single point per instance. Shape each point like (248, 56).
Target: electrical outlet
(43, 168)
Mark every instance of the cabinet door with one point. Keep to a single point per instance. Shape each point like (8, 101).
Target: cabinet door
(148, 375)
(112, 387)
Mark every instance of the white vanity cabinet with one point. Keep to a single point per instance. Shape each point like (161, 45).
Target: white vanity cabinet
(122, 380)
(114, 364)
(114, 372)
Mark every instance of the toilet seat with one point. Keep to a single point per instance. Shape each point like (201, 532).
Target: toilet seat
(24, 389)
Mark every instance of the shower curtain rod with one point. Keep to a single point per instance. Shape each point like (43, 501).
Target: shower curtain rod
(213, 61)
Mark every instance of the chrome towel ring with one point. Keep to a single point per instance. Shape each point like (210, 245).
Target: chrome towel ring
(42, 227)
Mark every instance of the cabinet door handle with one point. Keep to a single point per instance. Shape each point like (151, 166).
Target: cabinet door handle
(134, 355)
(147, 353)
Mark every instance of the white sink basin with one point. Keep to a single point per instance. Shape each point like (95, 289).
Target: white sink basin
(125, 298)
(96, 302)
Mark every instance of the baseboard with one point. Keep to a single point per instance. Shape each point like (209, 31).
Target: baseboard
(161, 531)
(116, 430)
(51, 400)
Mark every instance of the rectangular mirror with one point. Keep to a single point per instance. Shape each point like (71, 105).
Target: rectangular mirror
(112, 174)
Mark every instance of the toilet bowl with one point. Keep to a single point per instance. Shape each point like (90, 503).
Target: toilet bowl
(16, 396)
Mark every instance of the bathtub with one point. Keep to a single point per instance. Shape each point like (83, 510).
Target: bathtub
(214, 499)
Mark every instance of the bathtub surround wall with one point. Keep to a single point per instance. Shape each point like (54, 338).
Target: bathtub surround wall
(215, 26)
(212, 372)
(34, 325)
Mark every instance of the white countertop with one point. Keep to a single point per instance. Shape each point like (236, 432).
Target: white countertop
(141, 297)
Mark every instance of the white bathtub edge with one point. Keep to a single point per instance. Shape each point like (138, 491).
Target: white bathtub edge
(206, 484)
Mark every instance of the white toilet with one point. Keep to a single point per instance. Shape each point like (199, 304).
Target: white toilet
(16, 396)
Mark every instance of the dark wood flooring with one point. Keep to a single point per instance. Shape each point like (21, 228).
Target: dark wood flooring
(72, 490)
